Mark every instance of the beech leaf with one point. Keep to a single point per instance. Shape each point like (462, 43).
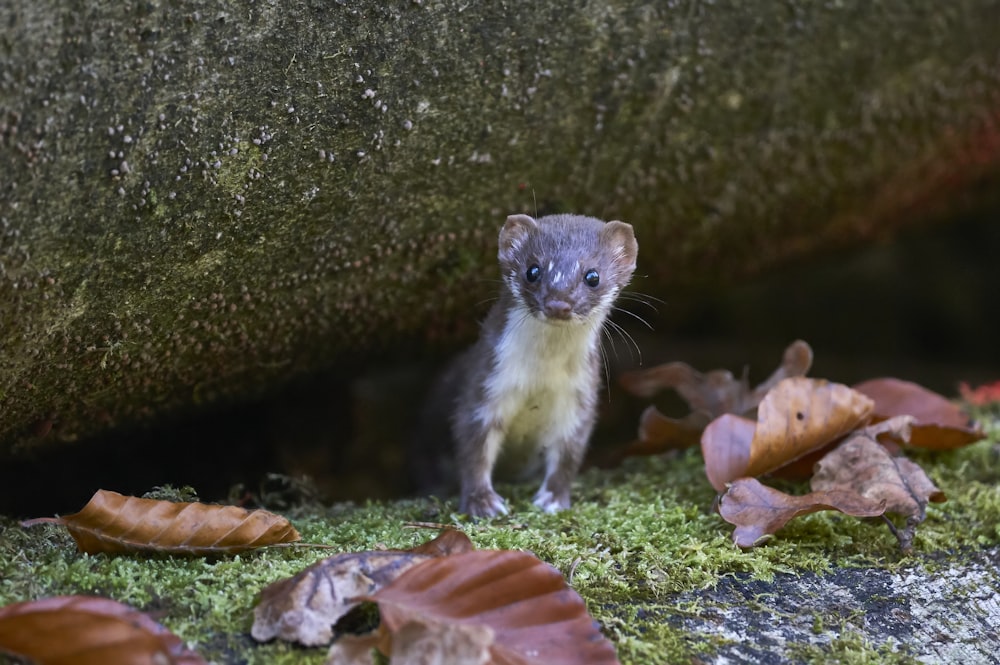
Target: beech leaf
(982, 395)
(709, 395)
(113, 523)
(725, 446)
(304, 608)
(759, 511)
(531, 614)
(864, 466)
(353, 649)
(424, 642)
(800, 415)
(718, 391)
(659, 434)
(797, 416)
(88, 630)
(940, 424)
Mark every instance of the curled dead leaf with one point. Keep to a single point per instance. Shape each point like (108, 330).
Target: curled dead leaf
(304, 608)
(725, 446)
(718, 391)
(530, 613)
(797, 416)
(88, 630)
(982, 395)
(417, 643)
(709, 395)
(430, 643)
(113, 523)
(354, 649)
(759, 511)
(659, 434)
(939, 424)
(800, 415)
(863, 466)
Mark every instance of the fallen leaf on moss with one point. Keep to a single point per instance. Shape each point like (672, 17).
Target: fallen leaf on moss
(708, 395)
(304, 608)
(939, 424)
(88, 630)
(986, 394)
(113, 523)
(418, 643)
(354, 649)
(448, 542)
(759, 511)
(862, 465)
(718, 391)
(659, 434)
(725, 446)
(797, 416)
(517, 607)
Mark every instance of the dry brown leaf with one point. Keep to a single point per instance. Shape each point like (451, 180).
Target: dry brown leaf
(113, 523)
(431, 643)
(673, 433)
(800, 415)
(353, 649)
(797, 416)
(533, 615)
(659, 434)
(939, 423)
(759, 511)
(709, 396)
(864, 466)
(725, 446)
(986, 394)
(417, 643)
(304, 608)
(87, 630)
(718, 391)
(449, 541)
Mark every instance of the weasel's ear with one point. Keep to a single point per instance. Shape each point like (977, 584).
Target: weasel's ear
(619, 239)
(513, 234)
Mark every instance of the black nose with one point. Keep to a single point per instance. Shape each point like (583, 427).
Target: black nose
(558, 309)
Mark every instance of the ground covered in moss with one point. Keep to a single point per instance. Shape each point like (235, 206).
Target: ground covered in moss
(642, 546)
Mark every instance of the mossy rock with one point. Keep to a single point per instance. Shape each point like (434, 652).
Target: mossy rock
(202, 201)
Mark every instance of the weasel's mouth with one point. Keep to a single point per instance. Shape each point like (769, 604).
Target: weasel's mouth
(557, 319)
(557, 310)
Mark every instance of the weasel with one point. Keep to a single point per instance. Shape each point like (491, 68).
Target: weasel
(529, 385)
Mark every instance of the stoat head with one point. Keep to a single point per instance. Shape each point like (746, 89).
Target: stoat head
(566, 268)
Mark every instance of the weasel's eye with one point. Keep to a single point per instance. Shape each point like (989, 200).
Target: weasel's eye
(533, 273)
(592, 278)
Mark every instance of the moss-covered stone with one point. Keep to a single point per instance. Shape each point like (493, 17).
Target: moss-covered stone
(200, 200)
(641, 544)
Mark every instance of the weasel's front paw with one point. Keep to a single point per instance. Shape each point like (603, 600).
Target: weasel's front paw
(483, 503)
(551, 503)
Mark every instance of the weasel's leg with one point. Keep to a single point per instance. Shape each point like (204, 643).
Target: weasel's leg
(562, 461)
(476, 461)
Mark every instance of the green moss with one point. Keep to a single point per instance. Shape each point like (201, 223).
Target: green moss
(851, 648)
(639, 545)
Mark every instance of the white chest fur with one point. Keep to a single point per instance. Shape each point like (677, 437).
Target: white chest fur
(541, 372)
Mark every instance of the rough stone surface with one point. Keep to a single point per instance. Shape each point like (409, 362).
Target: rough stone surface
(948, 615)
(201, 200)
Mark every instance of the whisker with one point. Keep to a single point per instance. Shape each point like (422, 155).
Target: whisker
(606, 331)
(634, 316)
(483, 302)
(642, 298)
(630, 341)
(604, 362)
